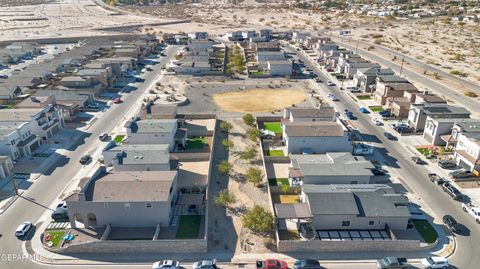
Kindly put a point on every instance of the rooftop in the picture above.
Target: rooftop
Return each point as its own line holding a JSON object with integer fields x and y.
{"x": 321, "y": 112}
{"x": 364, "y": 200}
{"x": 18, "y": 115}
{"x": 313, "y": 129}
{"x": 142, "y": 153}
{"x": 127, "y": 186}
{"x": 391, "y": 78}
{"x": 444, "y": 110}
{"x": 332, "y": 164}
{"x": 152, "y": 126}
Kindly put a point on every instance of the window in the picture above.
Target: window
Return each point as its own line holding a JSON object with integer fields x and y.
{"x": 345, "y": 223}
{"x": 127, "y": 205}
{"x": 149, "y": 205}
{"x": 371, "y": 223}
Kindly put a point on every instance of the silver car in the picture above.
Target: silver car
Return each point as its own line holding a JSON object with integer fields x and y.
{"x": 205, "y": 264}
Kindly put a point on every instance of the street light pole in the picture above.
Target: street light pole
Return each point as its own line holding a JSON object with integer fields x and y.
{"x": 401, "y": 67}
{"x": 14, "y": 185}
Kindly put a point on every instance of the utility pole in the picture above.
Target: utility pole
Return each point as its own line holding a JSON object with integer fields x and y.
{"x": 356, "y": 47}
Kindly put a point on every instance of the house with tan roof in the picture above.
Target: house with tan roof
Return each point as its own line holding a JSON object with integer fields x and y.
{"x": 124, "y": 199}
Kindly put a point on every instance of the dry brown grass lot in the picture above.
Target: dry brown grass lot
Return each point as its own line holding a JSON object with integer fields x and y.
{"x": 258, "y": 100}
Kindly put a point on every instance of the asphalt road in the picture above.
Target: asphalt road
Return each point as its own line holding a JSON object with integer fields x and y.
{"x": 34, "y": 201}
{"x": 431, "y": 84}
{"x": 415, "y": 176}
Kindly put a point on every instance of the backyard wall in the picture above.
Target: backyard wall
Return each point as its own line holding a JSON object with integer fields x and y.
{"x": 347, "y": 246}
{"x": 137, "y": 246}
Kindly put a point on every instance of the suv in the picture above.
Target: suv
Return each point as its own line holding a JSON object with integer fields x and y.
{"x": 451, "y": 223}
{"x": 434, "y": 262}
{"x": 460, "y": 174}
{"x": 452, "y": 191}
{"x": 103, "y": 136}
{"x": 446, "y": 164}
{"x": 23, "y": 229}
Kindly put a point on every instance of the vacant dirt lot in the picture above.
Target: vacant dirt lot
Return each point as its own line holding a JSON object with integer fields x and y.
{"x": 258, "y": 100}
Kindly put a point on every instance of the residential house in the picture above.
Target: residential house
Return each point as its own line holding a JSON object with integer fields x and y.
{"x": 299, "y": 37}
{"x": 266, "y": 46}
{"x": 71, "y": 102}
{"x": 365, "y": 78}
{"x": 153, "y": 131}
{"x": 324, "y": 47}
{"x": 391, "y": 86}
{"x": 85, "y": 83}
{"x": 124, "y": 199}
{"x": 138, "y": 157}
{"x": 234, "y": 36}
{"x": 9, "y": 93}
{"x": 119, "y": 65}
{"x": 248, "y": 34}
{"x": 467, "y": 151}
{"x": 310, "y": 42}
{"x": 198, "y": 35}
{"x": 279, "y": 68}
{"x": 418, "y": 114}
{"x": 157, "y": 111}
{"x": 6, "y": 166}
{"x": 315, "y": 137}
{"x": 356, "y": 207}
{"x": 18, "y": 140}
{"x": 329, "y": 168}
{"x": 438, "y": 131}
{"x": 266, "y": 33}
{"x": 351, "y": 67}
{"x": 347, "y": 57}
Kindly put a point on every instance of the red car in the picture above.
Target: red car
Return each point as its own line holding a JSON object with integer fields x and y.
{"x": 117, "y": 101}
{"x": 272, "y": 264}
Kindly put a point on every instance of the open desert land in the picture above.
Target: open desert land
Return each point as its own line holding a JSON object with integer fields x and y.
{"x": 451, "y": 46}
{"x": 43, "y": 19}
{"x": 217, "y": 17}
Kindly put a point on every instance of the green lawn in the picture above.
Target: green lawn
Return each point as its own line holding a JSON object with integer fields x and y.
{"x": 56, "y": 237}
{"x": 276, "y": 152}
{"x": 196, "y": 143}
{"x": 275, "y": 127}
{"x": 376, "y": 108}
{"x": 364, "y": 97}
{"x": 426, "y": 231}
{"x": 278, "y": 181}
{"x": 189, "y": 227}
{"x": 118, "y": 139}
{"x": 421, "y": 150}
{"x": 289, "y": 235}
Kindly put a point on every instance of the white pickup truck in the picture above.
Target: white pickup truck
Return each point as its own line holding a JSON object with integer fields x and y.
{"x": 472, "y": 210}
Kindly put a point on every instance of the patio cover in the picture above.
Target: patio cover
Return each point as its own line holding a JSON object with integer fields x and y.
{"x": 293, "y": 211}
{"x": 190, "y": 199}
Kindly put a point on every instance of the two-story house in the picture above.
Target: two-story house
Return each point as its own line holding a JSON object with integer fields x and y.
{"x": 365, "y": 78}
{"x": 466, "y": 134}
{"x": 156, "y": 131}
{"x": 417, "y": 116}
{"x": 391, "y": 87}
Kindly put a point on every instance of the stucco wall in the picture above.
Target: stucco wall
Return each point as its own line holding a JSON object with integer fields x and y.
{"x": 138, "y": 246}
{"x": 334, "y": 222}
{"x": 347, "y": 246}
{"x": 318, "y": 144}
{"x": 338, "y": 179}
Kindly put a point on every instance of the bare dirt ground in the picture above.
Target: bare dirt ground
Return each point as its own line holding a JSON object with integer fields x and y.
{"x": 451, "y": 46}
{"x": 246, "y": 193}
{"x": 258, "y": 100}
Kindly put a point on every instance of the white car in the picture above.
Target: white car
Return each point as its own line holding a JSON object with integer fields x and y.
{"x": 166, "y": 264}
{"x": 434, "y": 262}
{"x": 23, "y": 229}
{"x": 330, "y": 83}
{"x": 205, "y": 264}
{"x": 332, "y": 97}
{"x": 377, "y": 122}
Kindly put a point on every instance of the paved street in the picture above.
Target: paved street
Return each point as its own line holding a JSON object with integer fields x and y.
{"x": 414, "y": 176}
{"x": 32, "y": 204}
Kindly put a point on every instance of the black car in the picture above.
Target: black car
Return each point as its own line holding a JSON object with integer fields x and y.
{"x": 403, "y": 129}
{"x": 452, "y": 224}
{"x": 85, "y": 159}
{"x": 389, "y": 136}
{"x": 446, "y": 164}
{"x": 60, "y": 214}
{"x": 306, "y": 264}
{"x": 378, "y": 172}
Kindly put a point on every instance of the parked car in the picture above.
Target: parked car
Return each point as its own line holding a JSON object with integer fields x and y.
{"x": 318, "y": 80}
{"x": 62, "y": 204}
{"x": 447, "y": 164}
{"x": 103, "y": 137}
{"x": 460, "y": 174}
{"x": 377, "y": 122}
{"x": 354, "y": 89}
{"x": 117, "y": 100}
{"x": 205, "y": 264}
{"x": 403, "y": 129}
{"x": 332, "y": 97}
{"x": 85, "y": 159}
{"x": 166, "y": 264}
{"x": 271, "y": 264}
{"x": 436, "y": 179}
{"x": 472, "y": 211}
{"x": 60, "y": 214}
{"x": 306, "y": 264}
{"x": 434, "y": 262}
{"x": 350, "y": 116}
{"x": 386, "y": 114}
{"x": 3, "y": 76}
{"x": 452, "y": 191}
{"x": 149, "y": 68}
{"x": 330, "y": 83}
{"x": 23, "y": 229}
{"x": 452, "y": 224}
{"x": 364, "y": 110}
{"x": 389, "y": 136}
{"x": 393, "y": 263}
{"x": 378, "y": 171}
{"x": 418, "y": 160}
